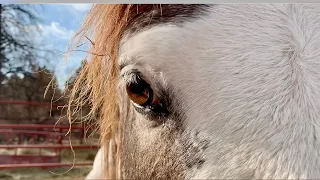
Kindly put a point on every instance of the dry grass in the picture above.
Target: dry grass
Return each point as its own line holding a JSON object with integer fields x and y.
{"x": 43, "y": 174}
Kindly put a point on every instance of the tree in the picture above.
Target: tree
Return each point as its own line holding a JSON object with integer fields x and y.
{"x": 19, "y": 50}
{"x": 30, "y": 88}
{"x": 21, "y": 78}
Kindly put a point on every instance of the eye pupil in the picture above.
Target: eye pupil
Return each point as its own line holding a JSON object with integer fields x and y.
{"x": 140, "y": 92}
{"x": 139, "y": 88}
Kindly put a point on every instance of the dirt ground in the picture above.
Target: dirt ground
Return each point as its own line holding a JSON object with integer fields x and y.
{"x": 77, "y": 172}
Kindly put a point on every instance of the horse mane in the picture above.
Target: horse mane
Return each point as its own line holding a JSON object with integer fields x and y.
{"x": 96, "y": 82}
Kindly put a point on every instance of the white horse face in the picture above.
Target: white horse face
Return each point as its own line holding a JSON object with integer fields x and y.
{"x": 235, "y": 94}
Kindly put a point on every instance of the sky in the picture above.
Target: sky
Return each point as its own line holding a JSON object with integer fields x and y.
{"x": 58, "y": 24}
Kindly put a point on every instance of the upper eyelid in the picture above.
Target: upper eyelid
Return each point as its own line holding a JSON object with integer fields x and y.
{"x": 131, "y": 71}
{"x": 130, "y": 76}
{"x": 123, "y": 65}
{"x": 136, "y": 68}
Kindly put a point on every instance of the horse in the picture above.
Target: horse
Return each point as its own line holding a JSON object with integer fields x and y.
{"x": 203, "y": 91}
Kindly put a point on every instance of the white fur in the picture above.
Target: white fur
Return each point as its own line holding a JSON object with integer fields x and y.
{"x": 97, "y": 168}
{"x": 248, "y": 77}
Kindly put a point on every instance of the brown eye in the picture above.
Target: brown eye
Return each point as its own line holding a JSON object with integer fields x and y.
{"x": 140, "y": 92}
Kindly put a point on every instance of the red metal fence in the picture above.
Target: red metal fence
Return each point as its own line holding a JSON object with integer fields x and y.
{"x": 32, "y": 103}
{"x": 38, "y": 137}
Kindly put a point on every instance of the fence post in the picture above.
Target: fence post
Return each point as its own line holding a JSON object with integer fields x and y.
{"x": 60, "y": 143}
{"x": 82, "y": 132}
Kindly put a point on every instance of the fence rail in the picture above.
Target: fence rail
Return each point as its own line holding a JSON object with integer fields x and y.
{"x": 32, "y": 103}
{"x": 41, "y": 165}
{"x": 40, "y": 126}
{"x": 41, "y": 137}
{"x": 35, "y": 146}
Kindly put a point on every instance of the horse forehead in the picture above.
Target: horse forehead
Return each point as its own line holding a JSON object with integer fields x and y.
{"x": 217, "y": 54}
{"x": 221, "y": 29}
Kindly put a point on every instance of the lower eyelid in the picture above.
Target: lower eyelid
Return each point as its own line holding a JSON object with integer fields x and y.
{"x": 137, "y": 105}
{"x": 152, "y": 114}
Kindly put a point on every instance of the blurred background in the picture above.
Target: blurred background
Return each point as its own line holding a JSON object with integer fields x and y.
{"x": 34, "y": 138}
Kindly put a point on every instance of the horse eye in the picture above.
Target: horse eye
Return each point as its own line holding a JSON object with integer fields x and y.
{"x": 141, "y": 93}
